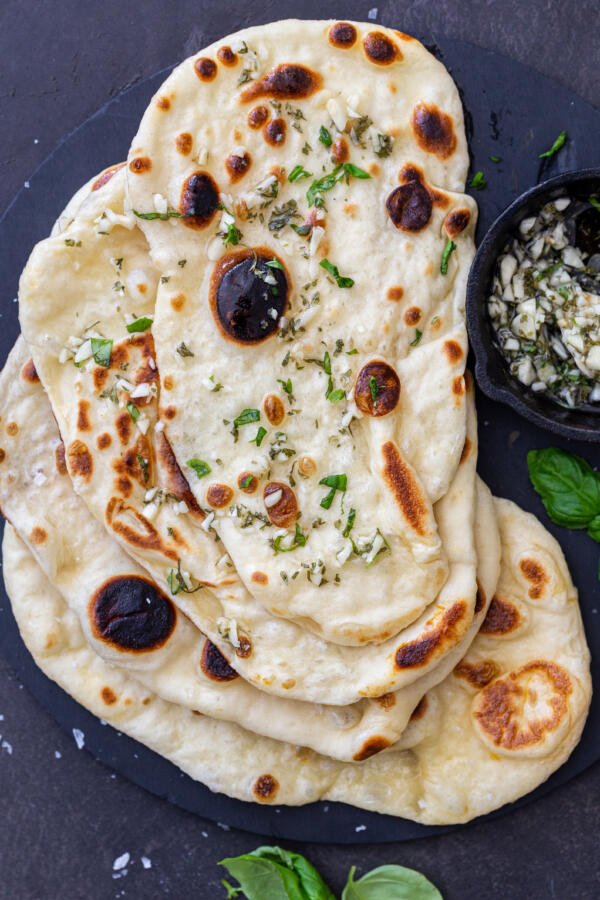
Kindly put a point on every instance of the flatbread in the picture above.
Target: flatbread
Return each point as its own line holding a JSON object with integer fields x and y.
{"x": 129, "y": 621}
{"x": 273, "y": 330}
{"x": 95, "y": 273}
{"x": 508, "y": 717}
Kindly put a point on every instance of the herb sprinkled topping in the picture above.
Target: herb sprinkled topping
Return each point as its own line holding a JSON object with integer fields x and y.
{"x": 298, "y": 172}
{"x": 183, "y": 350}
{"x": 560, "y": 142}
{"x": 342, "y": 281}
{"x": 200, "y": 467}
{"x": 448, "y": 250}
{"x": 478, "y": 181}
{"x": 141, "y": 324}
{"x": 336, "y": 483}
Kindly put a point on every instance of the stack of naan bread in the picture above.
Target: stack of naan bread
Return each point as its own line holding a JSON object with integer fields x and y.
{"x": 238, "y": 447}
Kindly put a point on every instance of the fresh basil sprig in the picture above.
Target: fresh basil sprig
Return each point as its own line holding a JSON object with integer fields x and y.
{"x": 270, "y": 873}
{"x": 390, "y": 883}
{"x": 569, "y": 488}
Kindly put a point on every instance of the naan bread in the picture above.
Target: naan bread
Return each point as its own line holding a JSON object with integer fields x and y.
{"x": 352, "y": 387}
{"x": 129, "y": 621}
{"x": 84, "y": 282}
{"x": 508, "y": 716}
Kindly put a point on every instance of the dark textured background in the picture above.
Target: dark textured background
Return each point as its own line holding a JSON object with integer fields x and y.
{"x": 64, "y": 820}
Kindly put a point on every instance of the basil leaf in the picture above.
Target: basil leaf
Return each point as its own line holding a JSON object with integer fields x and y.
{"x": 245, "y": 417}
{"x": 141, "y": 324}
{"x": 594, "y": 202}
{"x": 183, "y": 350}
{"x": 298, "y": 172}
{"x": 390, "y": 883}
{"x": 270, "y": 873}
{"x": 200, "y": 467}
{"x": 448, "y": 250}
{"x": 259, "y": 436}
{"x": 247, "y": 481}
{"x": 568, "y": 486}
{"x": 352, "y": 171}
{"x": 478, "y": 181}
{"x": 417, "y": 338}
{"x": 560, "y": 141}
{"x": 275, "y": 264}
{"x": 336, "y": 396}
{"x": 374, "y": 389}
{"x": 169, "y": 214}
{"x": 101, "y": 351}
{"x": 133, "y": 411}
{"x": 349, "y": 523}
{"x": 325, "y": 136}
{"x": 144, "y": 466}
{"x": 594, "y": 529}
{"x": 233, "y": 235}
{"x": 336, "y": 483}
{"x": 341, "y": 280}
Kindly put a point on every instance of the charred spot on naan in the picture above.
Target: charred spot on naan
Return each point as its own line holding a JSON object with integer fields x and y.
{"x": 84, "y": 423}
{"x": 237, "y": 165}
{"x": 288, "y": 81}
{"x": 399, "y": 477}
{"x": 199, "y": 200}
{"x": 453, "y": 352}
{"x": 245, "y": 646}
{"x": 140, "y": 165}
{"x": 412, "y": 316}
{"x": 246, "y": 309}
{"x": 257, "y": 117}
{"x": 79, "y": 460}
{"x": 135, "y": 529}
{"x": 377, "y": 389}
{"x": 503, "y": 618}
{"x": 106, "y": 175}
{"x": 443, "y": 632}
{"x": 184, "y": 143}
{"x": 284, "y": 512}
{"x": 433, "y": 130}
{"x": 226, "y": 56}
{"x": 386, "y": 701}
{"x": 124, "y": 427}
{"x": 108, "y": 695}
{"x": 163, "y": 103}
{"x": 381, "y": 49}
{"x": 219, "y": 495}
{"x": 342, "y": 35}
{"x": 371, "y": 746}
{"x": 339, "y": 151}
{"x": 29, "y": 374}
{"x": 410, "y": 206}
{"x": 60, "y": 459}
{"x": 259, "y": 578}
{"x": 38, "y": 535}
{"x": 131, "y": 613}
{"x": 419, "y": 710}
{"x": 477, "y": 674}
{"x": 456, "y": 221}
{"x": 274, "y": 132}
{"x": 2, "y": 455}
{"x": 265, "y": 788}
{"x": 274, "y": 409}
{"x": 396, "y": 292}
{"x": 522, "y": 711}
{"x": 137, "y": 462}
{"x": 205, "y": 68}
{"x": 214, "y": 665}
{"x": 247, "y": 482}
{"x": 534, "y": 572}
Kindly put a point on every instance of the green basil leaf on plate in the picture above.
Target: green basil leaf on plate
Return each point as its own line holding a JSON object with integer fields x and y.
{"x": 270, "y": 873}
{"x": 390, "y": 883}
{"x": 568, "y": 486}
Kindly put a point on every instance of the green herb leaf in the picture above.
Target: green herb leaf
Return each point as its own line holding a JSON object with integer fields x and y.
{"x": 184, "y": 350}
{"x": 259, "y": 436}
{"x": 341, "y": 280}
{"x": 286, "y": 385}
{"x": 200, "y": 467}
{"x": 325, "y": 136}
{"x": 478, "y": 181}
{"x": 141, "y": 324}
{"x": 71, "y": 242}
{"x": 247, "y": 481}
{"x": 101, "y": 351}
{"x": 594, "y": 529}
{"x": 282, "y": 215}
{"x": 568, "y": 486}
{"x": 595, "y": 202}
{"x": 448, "y": 250}
{"x": 177, "y": 583}
{"x": 245, "y": 417}
{"x": 270, "y": 873}
{"x": 349, "y": 523}
{"x": 390, "y": 883}
{"x": 298, "y": 172}
{"x": 336, "y": 483}
{"x": 143, "y": 464}
{"x": 496, "y": 159}
{"x": 300, "y": 540}
{"x": 181, "y": 263}
{"x": 274, "y": 264}
{"x": 133, "y": 411}
{"x": 336, "y": 396}
{"x": 233, "y": 235}
{"x": 417, "y": 338}
{"x": 169, "y": 214}
{"x": 560, "y": 141}
{"x": 352, "y": 171}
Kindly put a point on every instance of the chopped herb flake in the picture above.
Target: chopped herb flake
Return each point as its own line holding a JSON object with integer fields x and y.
{"x": 133, "y": 411}
{"x": 298, "y": 172}
{"x": 141, "y": 324}
{"x": 163, "y": 216}
{"x": 101, "y": 351}
{"x": 245, "y": 417}
{"x": 325, "y": 136}
{"x": 200, "y": 467}
{"x": 258, "y": 439}
{"x": 336, "y": 483}
{"x": 560, "y": 142}
{"x": 478, "y": 181}
{"x": 342, "y": 281}
{"x": 374, "y": 389}
{"x": 448, "y": 250}
{"x": 417, "y": 338}
{"x": 184, "y": 350}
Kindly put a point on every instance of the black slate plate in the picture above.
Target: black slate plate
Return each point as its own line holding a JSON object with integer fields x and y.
{"x": 512, "y": 112}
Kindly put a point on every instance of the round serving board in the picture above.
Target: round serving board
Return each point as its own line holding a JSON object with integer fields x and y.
{"x": 512, "y": 112}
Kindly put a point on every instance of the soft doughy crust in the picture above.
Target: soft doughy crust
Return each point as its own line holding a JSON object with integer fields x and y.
{"x": 448, "y": 776}
{"x": 69, "y": 280}
{"x": 397, "y": 465}
{"x": 128, "y": 621}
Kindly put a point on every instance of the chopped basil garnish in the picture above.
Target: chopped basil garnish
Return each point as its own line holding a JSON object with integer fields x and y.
{"x": 327, "y": 182}
{"x": 184, "y": 350}
{"x": 245, "y": 417}
{"x": 349, "y": 523}
{"x": 478, "y": 181}
{"x": 385, "y": 143}
{"x": 352, "y": 171}
{"x": 448, "y": 249}
{"x": 298, "y": 172}
{"x": 101, "y": 351}
{"x": 373, "y": 387}
{"x": 164, "y": 279}
{"x": 143, "y": 464}
{"x": 247, "y": 481}
{"x": 341, "y": 280}
{"x": 300, "y": 540}
{"x": 496, "y": 159}
{"x": 163, "y": 216}
{"x": 200, "y": 467}
{"x": 141, "y": 324}
{"x": 594, "y": 202}
{"x": 177, "y": 582}
{"x": 70, "y": 242}
{"x": 275, "y": 264}
{"x": 133, "y": 411}
{"x": 417, "y": 338}
{"x": 560, "y": 142}
{"x": 287, "y": 387}
{"x": 336, "y": 483}
{"x": 232, "y": 236}
{"x": 259, "y": 436}
{"x": 325, "y": 136}
{"x": 282, "y": 215}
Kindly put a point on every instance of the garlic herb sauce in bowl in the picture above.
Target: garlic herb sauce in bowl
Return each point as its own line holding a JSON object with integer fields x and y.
{"x": 544, "y": 304}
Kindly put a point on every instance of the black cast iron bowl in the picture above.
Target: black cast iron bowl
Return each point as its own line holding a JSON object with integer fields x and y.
{"x": 491, "y": 371}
